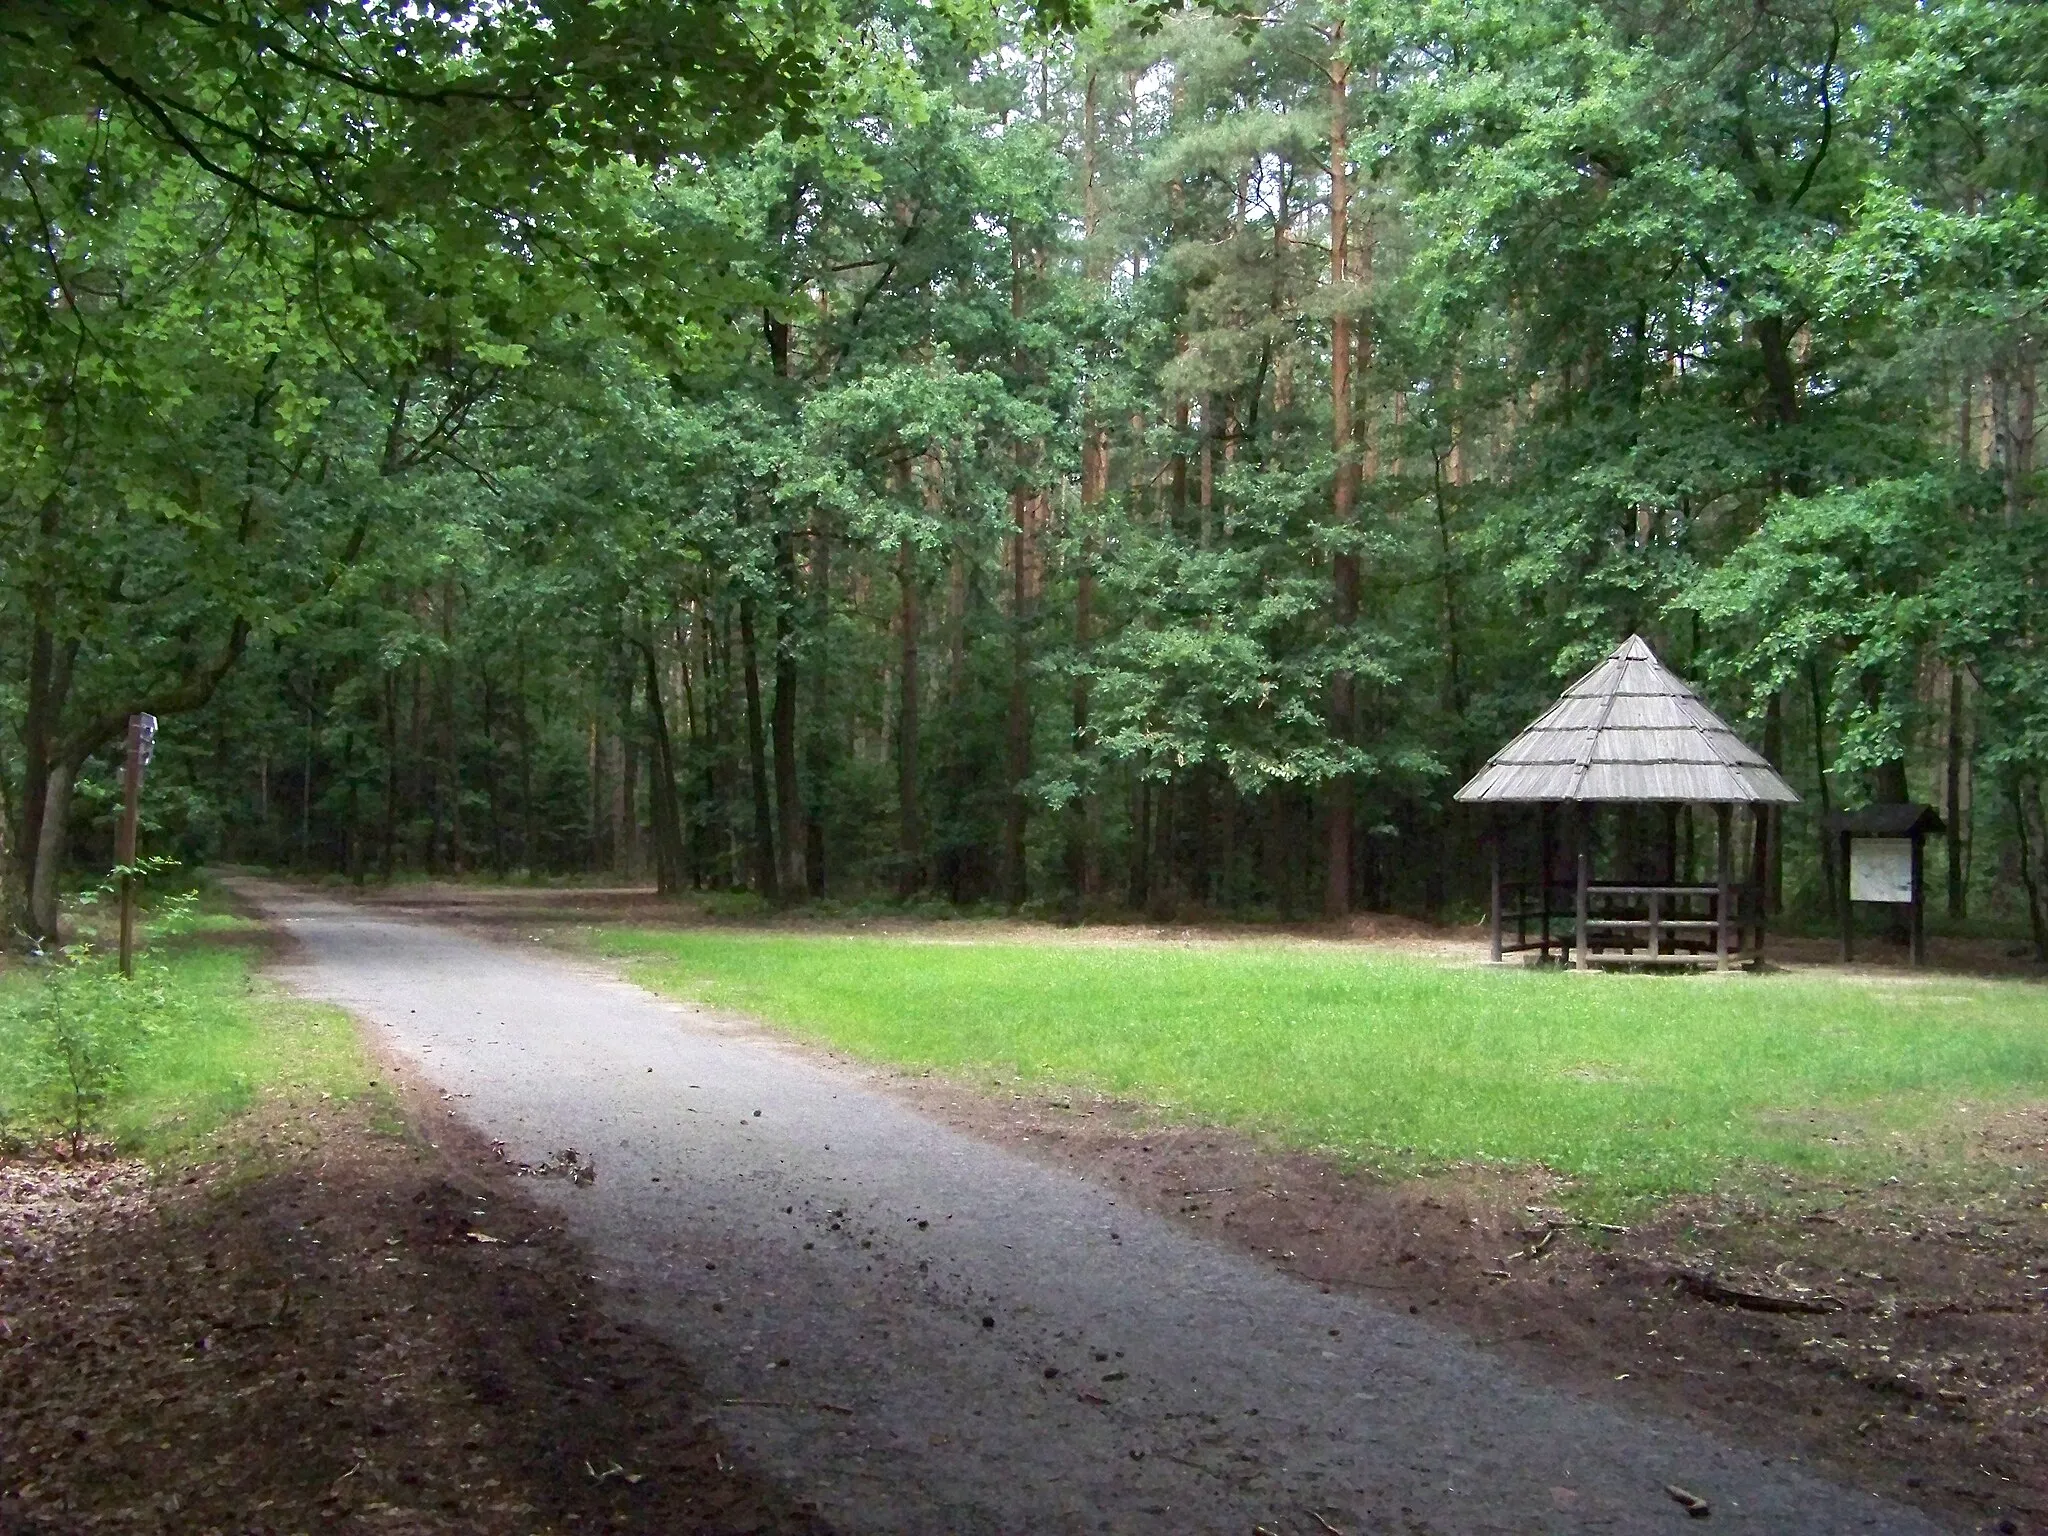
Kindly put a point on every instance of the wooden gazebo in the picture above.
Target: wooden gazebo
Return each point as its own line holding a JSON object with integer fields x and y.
{"x": 1632, "y": 739}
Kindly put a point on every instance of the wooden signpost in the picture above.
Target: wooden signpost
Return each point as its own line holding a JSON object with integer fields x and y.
{"x": 141, "y": 744}
{"x": 1883, "y": 862}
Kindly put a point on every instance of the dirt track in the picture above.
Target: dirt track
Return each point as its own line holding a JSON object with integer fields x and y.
{"x": 925, "y": 1332}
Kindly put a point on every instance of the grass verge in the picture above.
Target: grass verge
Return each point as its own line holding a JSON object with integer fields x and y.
{"x": 213, "y": 1037}
{"x": 322, "y": 1323}
{"x": 1634, "y": 1087}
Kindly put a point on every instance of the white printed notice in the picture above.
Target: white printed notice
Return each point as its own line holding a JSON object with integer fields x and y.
{"x": 1881, "y": 869}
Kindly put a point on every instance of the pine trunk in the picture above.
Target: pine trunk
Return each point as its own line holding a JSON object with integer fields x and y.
{"x": 661, "y": 787}
{"x": 1958, "y": 814}
{"x": 789, "y": 816}
{"x": 1338, "y": 791}
{"x": 910, "y": 827}
{"x": 757, "y": 758}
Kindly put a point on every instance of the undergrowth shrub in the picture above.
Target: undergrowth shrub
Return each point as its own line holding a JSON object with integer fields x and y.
{"x": 75, "y": 1038}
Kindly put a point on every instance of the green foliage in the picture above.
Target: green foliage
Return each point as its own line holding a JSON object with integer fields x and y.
{"x": 75, "y": 1037}
{"x": 461, "y": 109}
{"x": 1832, "y": 590}
{"x": 155, "y": 1065}
{"x": 893, "y": 450}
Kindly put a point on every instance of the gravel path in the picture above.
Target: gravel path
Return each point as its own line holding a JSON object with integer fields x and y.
{"x": 927, "y": 1333}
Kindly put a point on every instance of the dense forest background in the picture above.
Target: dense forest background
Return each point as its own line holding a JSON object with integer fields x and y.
{"x": 1136, "y": 460}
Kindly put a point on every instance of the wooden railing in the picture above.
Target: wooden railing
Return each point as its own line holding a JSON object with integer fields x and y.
{"x": 1639, "y": 924}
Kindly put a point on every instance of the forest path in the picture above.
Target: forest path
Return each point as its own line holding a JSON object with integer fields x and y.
{"x": 831, "y": 1262}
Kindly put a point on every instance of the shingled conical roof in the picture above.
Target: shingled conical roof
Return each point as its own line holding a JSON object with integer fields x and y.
{"x": 1630, "y": 729}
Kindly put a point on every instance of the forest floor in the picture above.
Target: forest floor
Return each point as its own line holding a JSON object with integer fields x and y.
{"x": 1893, "y": 1328}
{"x": 314, "y": 1318}
{"x": 523, "y": 911}
{"x": 1895, "y": 1334}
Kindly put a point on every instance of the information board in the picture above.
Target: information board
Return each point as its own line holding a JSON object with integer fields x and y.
{"x": 1881, "y": 869}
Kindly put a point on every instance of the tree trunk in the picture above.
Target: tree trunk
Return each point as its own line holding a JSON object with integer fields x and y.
{"x": 52, "y": 831}
{"x": 910, "y": 828}
{"x": 1205, "y": 530}
{"x": 1138, "y": 877}
{"x": 1454, "y": 671}
{"x": 661, "y": 786}
{"x": 49, "y": 688}
{"x": 818, "y": 748}
{"x": 1083, "y": 810}
{"x": 1229, "y": 888}
{"x": 789, "y": 815}
{"x": 1017, "y": 722}
{"x": 1888, "y": 783}
{"x": 757, "y": 759}
{"x": 1958, "y": 815}
{"x": 1163, "y": 893}
{"x": 1771, "y": 878}
{"x": 721, "y": 771}
{"x": 1177, "y": 473}
{"x": 1273, "y": 854}
{"x": 494, "y": 797}
{"x": 1017, "y": 726}
{"x": 49, "y": 685}
{"x": 352, "y": 846}
{"x": 1831, "y": 876}
{"x": 2032, "y": 827}
{"x": 35, "y": 786}
{"x": 597, "y": 775}
{"x": 626, "y": 790}
{"x": 1774, "y": 342}
{"x": 1338, "y": 792}
{"x": 387, "y": 851}
{"x": 2013, "y": 409}
{"x": 306, "y": 778}
{"x": 451, "y": 750}
{"x": 418, "y": 772}
{"x": 522, "y": 726}
{"x": 1966, "y": 448}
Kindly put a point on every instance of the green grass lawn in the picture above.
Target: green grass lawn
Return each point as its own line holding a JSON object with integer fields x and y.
{"x": 224, "y": 1035}
{"x": 1633, "y": 1086}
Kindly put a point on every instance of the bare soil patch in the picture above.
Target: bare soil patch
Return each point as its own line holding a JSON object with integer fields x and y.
{"x": 1911, "y": 1357}
{"x": 529, "y": 912}
{"x": 345, "y": 1329}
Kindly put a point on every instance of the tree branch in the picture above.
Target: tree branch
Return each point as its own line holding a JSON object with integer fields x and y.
{"x": 1827, "y": 115}
{"x": 155, "y": 110}
{"x": 192, "y": 694}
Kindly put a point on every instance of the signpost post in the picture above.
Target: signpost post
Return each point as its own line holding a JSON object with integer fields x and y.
{"x": 141, "y": 744}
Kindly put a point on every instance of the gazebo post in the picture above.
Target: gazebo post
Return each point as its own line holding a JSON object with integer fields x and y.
{"x": 1724, "y": 817}
{"x": 1769, "y": 817}
{"x": 1582, "y": 954}
{"x": 1543, "y": 877}
{"x": 1493, "y": 887}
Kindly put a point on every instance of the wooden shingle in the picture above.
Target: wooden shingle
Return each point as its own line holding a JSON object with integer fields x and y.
{"x": 1630, "y": 729}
